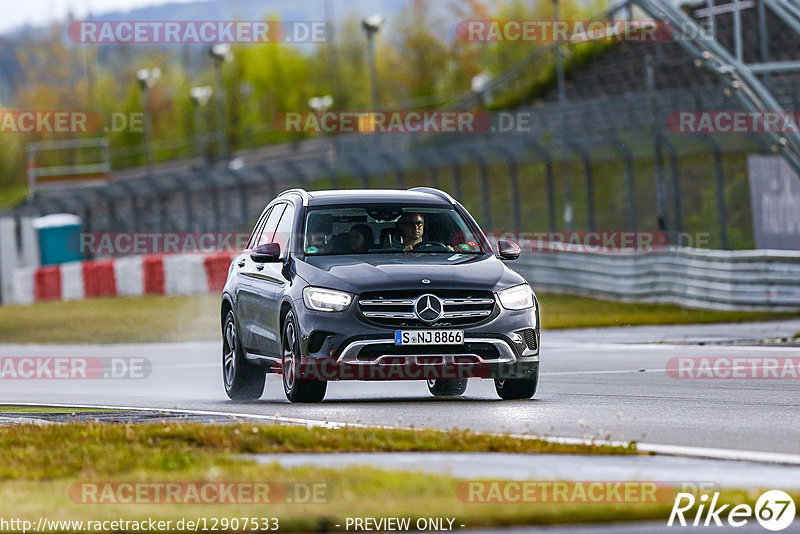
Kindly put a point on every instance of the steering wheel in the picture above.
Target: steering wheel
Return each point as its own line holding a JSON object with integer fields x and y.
{"x": 428, "y": 244}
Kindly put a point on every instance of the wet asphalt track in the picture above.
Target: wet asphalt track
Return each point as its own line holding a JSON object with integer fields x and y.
{"x": 594, "y": 383}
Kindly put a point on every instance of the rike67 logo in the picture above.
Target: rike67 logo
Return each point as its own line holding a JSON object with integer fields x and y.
{"x": 774, "y": 510}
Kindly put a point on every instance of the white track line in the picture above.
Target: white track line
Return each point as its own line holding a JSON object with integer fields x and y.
{"x": 678, "y": 370}
{"x": 657, "y": 448}
{"x": 668, "y": 345}
{"x": 604, "y": 372}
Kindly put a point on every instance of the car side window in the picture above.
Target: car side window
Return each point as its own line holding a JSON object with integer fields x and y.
{"x": 271, "y": 225}
{"x": 283, "y": 235}
{"x": 251, "y": 243}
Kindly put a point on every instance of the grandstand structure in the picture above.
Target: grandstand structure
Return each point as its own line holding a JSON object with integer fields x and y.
{"x": 599, "y": 157}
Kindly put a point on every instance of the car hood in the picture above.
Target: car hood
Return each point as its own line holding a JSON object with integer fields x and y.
{"x": 370, "y": 272}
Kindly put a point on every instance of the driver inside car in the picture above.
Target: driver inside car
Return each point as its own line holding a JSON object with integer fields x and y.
{"x": 411, "y": 227}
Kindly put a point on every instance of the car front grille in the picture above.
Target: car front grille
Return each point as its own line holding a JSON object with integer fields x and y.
{"x": 396, "y": 308}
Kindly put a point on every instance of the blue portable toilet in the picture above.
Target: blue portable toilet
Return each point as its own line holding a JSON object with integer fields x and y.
{"x": 59, "y": 235}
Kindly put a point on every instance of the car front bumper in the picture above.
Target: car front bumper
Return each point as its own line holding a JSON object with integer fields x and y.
{"x": 343, "y": 346}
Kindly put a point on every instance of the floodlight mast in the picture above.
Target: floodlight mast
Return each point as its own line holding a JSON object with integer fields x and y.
{"x": 221, "y": 54}
{"x": 371, "y": 25}
{"x": 147, "y": 79}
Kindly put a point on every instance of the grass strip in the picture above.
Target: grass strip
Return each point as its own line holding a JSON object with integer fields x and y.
{"x": 38, "y": 479}
{"x": 110, "y": 449}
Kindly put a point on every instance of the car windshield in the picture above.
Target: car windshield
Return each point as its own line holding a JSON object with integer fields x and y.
{"x": 380, "y": 229}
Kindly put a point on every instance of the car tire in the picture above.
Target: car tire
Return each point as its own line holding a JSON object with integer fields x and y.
{"x": 243, "y": 380}
{"x": 447, "y": 387}
{"x": 296, "y": 389}
{"x": 517, "y": 388}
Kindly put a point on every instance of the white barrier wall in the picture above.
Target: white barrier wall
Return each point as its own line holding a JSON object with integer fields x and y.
{"x": 738, "y": 280}
{"x": 17, "y": 249}
{"x": 185, "y": 274}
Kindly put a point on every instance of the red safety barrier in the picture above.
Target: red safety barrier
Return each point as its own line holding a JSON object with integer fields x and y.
{"x": 47, "y": 283}
{"x": 153, "y": 275}
{"x": 217, "y": 270}
{"x": 99, "y": 279}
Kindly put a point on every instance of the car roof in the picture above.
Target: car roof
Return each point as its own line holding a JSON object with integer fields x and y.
{"x": 357, "y": 196}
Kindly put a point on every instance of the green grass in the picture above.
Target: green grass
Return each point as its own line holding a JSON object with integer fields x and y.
{"x": 39, "y": 479}
{"x": 176, "y": 318}
{"x": 356, "y": 492}
{"x": 115, "y": 448}
{"x": 11, "y": 195}
{"x": 566, "y": 311}
{"x": 113, "y": 320}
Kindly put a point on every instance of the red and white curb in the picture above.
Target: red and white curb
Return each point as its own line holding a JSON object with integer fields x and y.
{"x": 173, "y": 274}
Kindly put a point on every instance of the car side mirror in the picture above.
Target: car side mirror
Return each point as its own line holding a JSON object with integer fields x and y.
{"x": 266, "y": 253}
{"x": 508, "y": 250}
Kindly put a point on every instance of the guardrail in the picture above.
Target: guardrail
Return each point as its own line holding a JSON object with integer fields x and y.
{"x": 737, "y": 280}
{"x": 726, "y": 280}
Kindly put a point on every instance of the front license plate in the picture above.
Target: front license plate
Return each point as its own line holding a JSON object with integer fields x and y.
{"x": 428, "y": 337}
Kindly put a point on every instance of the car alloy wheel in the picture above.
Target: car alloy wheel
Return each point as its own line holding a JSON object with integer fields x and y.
{"x": 289, "y": 357}
{"x": 296, "y": 388}
{"x": 243, "y": 380}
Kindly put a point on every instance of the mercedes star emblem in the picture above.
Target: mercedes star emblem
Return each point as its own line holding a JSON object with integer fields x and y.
{"x": 428, "y": 308}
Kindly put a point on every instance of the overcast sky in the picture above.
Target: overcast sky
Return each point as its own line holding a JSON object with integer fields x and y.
{"x": 38, "y": 12}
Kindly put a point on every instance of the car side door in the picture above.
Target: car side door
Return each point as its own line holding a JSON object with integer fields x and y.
{"x": 249, "y": 287}
{"x": 272, "y": 280}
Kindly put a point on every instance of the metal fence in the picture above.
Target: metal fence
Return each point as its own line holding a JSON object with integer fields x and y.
{"x": 598, "y": 161}
{"x": 739, "y": 280}
{"x": 605, "y": 161}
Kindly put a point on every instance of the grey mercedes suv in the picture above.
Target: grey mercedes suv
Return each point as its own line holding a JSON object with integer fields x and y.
{"x": 376, "y": 285}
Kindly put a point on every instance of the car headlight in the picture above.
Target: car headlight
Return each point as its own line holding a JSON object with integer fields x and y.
{"x": 517, "y": 297}
{"x": 328, "y": 300}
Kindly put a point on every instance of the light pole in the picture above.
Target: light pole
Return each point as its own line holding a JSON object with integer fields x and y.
{"x": 478, "y": 85}
{"x": 321, "y": 104}
{"x": 562, "y": 92}
{"x": 562, "y": 102}
{"x": 147, "y": 79}
{"x": 245, "y": 92}
{"x": 371, "y": 26}
{"x": 220, "y": 54}
{"x": 200, "y": 96}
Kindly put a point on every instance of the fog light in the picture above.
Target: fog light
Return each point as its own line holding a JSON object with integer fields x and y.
{"x": 516, "y": 338}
